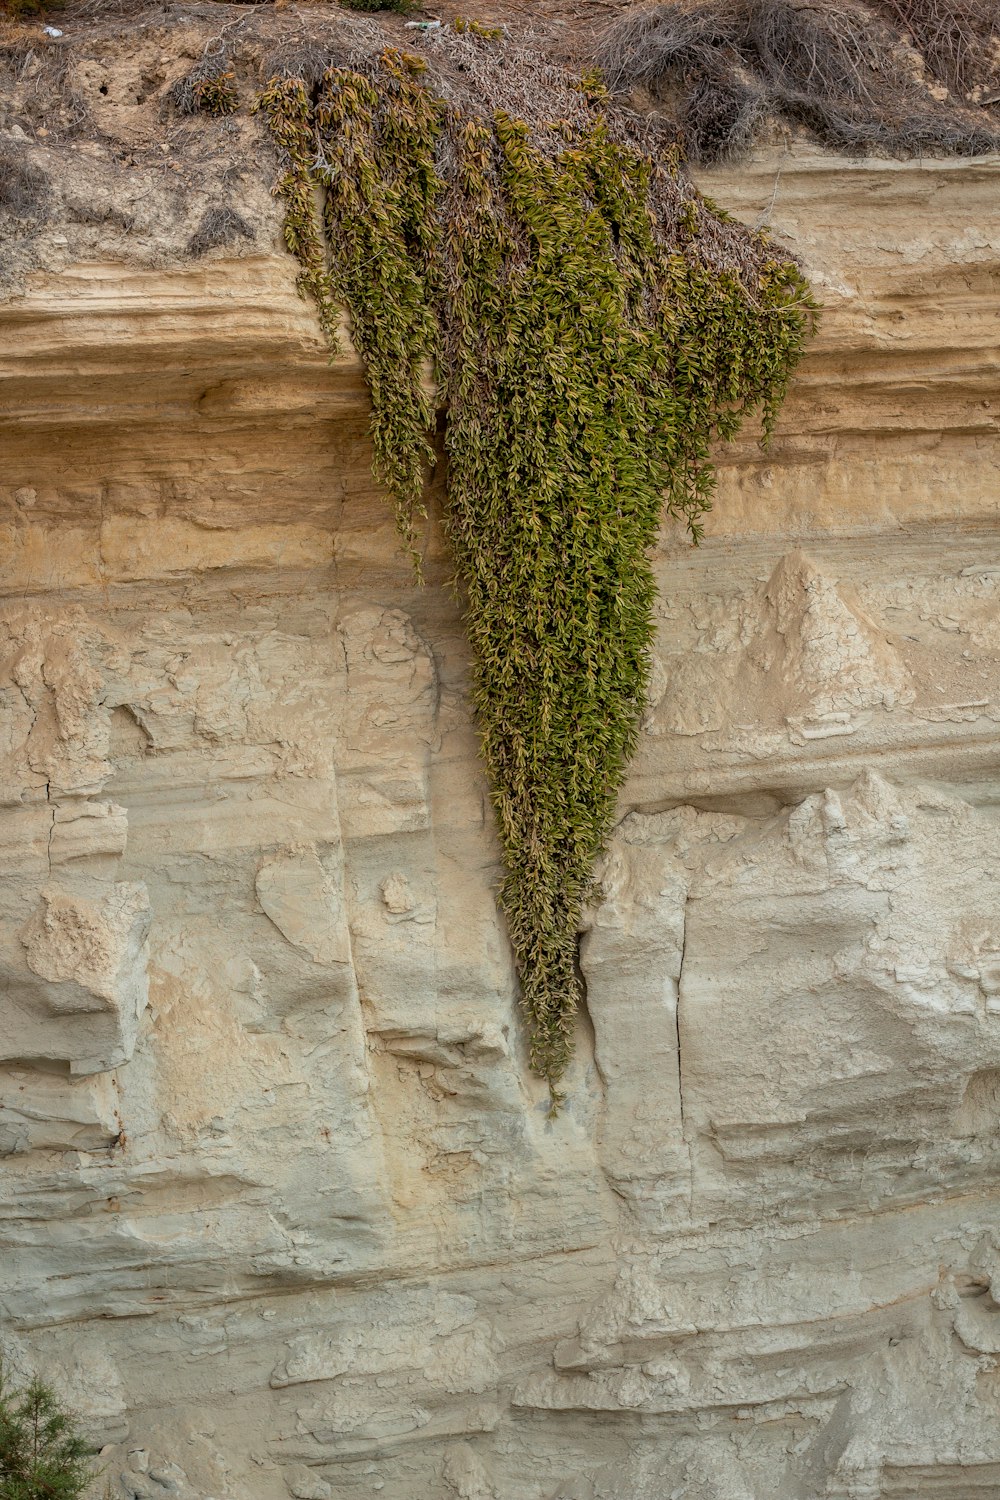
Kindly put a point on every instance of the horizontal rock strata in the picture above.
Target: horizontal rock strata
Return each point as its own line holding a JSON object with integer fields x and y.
{"x": 280, "y": 1208}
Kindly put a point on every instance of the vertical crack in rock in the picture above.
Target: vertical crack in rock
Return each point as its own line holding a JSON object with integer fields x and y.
{"x": 52, "y": 825}
{"x": 677, "y": 1014}
{"x": 583, "y": 1006}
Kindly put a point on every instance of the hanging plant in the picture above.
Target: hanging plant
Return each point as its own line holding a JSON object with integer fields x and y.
{"x": 593, "y": 325}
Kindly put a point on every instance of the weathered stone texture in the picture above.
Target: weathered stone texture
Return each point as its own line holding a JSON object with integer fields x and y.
{"x": 280, "y": 1208}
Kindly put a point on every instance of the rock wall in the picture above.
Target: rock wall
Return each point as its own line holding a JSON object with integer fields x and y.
{"x": 280, "y": 1208}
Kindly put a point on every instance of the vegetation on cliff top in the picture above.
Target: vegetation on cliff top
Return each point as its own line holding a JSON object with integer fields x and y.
{"x": 590, "y": 324}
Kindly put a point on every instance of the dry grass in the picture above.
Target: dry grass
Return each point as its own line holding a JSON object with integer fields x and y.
{"x": 221, "y": 225}
{"x": 959, "y": 41}
{"x": 845, "y": 70}
{"x": 301, "y": 57}
{"x": 25, "y": 9}
{"x": 401, "y": 7}
{"x": 97, "y": 216}
{"x": 24, "y": 189}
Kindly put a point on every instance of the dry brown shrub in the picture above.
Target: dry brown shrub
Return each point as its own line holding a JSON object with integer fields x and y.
{"x": 847, "y": 71}
{"x": 24, "y": 188}
{"x": 959, "y": 41}
{"x": 220, "y": 225}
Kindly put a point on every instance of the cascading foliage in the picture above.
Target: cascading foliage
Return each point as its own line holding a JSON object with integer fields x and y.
{"x": 592, "y": 324}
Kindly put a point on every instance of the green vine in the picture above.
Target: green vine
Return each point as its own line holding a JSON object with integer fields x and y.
{"x": 591, "y": 325}
{"x": 217, "y": 93}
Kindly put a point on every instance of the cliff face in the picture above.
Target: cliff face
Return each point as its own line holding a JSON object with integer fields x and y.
{"x": 281, "y": 1208}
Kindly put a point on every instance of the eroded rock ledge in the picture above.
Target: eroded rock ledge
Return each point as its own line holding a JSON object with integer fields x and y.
{"x": 279, "y": 1206}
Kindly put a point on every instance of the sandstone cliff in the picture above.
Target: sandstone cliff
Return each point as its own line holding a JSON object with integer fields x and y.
{"x": 280, "y": 1208}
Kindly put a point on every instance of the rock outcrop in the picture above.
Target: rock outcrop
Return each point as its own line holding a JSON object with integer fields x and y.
{"x": 280, "y": 1208}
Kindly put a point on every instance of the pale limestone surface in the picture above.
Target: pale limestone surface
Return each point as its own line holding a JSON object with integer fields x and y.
{"x": 280, "y": 1208}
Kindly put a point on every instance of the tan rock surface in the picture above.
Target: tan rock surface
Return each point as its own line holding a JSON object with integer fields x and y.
{"x": 279, "y": 1204}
